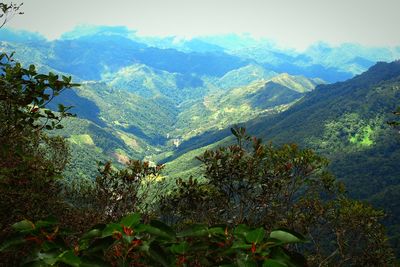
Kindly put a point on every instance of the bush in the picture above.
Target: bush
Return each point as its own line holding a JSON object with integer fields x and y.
{"x": 132, "y": 243}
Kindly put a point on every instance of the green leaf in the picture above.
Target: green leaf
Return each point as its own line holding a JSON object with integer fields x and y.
{"x": 48, "y": 246}
{"x": 287, "y": 236}
{"x": 155, "y": 231}
{"x": 217, "y": 230}
{"x": 110, "y": 229}
{"x": 12, "y": 242}
{"x": 69, "y": 258}
{"x": 180, "y": 248}
{"x": 45, "y": 223}
{"x": 66, "y": 79}
{"x": 240, "y": 245}
{"x": 274, "y": 263}
{"x": 41, "y": 77}
{"x": 241, "y": 231}
{"x": 256, "y": 235}
{"x": 246, "y": 263}
{"x": 92, "y": 233}
{"x": 163, "y": 227}
{"x": 158, "y": 255}
{"x": 24, "y": 225}
{"x": 93, "y": 263}
{"x": 131, "y": 220}
{"x": 280, "y": 254}
{"x": 99, "y": 245}
{"x": 194, "y": 230}
{"x": 49, "y": 258}
{"x": 234, "y": 132}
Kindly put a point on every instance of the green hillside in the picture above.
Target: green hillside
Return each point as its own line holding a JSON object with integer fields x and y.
{"x": 156, "y": 84}
{"x": 242, "y": 76}
{"x": 237, "y": 105}
{"x": 346, "y": 122}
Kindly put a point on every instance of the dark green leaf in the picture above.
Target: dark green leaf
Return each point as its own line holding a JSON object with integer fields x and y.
{"x": 274, "y": 263}
{"x": 287, "y": 236}
{"x": 194, "y": 230}
{"x": 10, "y": 242}
{"x": 110, "y": 229}
{"x": 180, "y": 248}
{"x": 256, "y": 235}
{"x": 69, "y": 258}
{"x": 131, "y": 220}
{"x": 24, "y": 225}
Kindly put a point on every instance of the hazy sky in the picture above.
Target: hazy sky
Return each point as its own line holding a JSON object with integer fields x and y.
{"x": 292, "y": 23}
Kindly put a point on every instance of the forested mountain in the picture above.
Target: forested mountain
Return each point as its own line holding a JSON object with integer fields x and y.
{"x": 148, "y": 95}
{"x": 345, "y": 121}
{"x": 140, "y": 99}
{"x": 151, "y": 94}
{"x": 168, "y": 100}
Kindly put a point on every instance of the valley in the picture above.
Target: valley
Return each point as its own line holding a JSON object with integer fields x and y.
{"x": 167, "y": 101}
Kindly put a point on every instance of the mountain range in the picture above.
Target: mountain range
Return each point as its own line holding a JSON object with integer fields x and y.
{"x": 168, "y": 99}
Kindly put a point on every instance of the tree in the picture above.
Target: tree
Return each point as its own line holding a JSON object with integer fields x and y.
{"x": 117, "y": 192}
{"x": 8, "y": 11}
{"x": 31, "y": 161}
{"x": 395, "y": 123}
{"x": 260, "y": 185}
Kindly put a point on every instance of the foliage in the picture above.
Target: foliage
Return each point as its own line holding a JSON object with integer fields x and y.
{"x": 24, "y": 96}
{"x": 360, "y": 238}
{"x": 395, "y": 123}
{"x": 132, "y": 243}
{"x": 258, "y": 184}
{"x": 27, "y": 152}
{"x": 252, "y": 182}
{"x": 116, "y": 192}
{"x": 346, "y": 122}
{"x": 7, "y": 11}
{"x": 30, "y": 160}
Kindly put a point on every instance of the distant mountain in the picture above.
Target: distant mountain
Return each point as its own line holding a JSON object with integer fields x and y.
{"x": 90, "y": 30}
{"x": 161, "y": 92}
{"x": 14, "y": 36}
{"x": 320, "y": 60}
{"x": 214, "y": 56}
{"x": 353, "y": 58}
{"x": 90, "y": 56}
{"x": 156, "y": 84}
{"x": 242, "y": 76}
{"x": 238, "y": 105}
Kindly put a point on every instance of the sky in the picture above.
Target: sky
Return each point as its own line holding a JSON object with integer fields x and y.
{"x": 291, "y": 23}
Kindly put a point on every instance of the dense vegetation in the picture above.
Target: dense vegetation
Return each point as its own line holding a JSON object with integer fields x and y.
{"x": 346, "y": 122}
{"x": 249, "y": 183}
{"x": 249, "y": 203}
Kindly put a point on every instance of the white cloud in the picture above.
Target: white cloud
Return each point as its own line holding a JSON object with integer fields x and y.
{"x": 292, "y": 23}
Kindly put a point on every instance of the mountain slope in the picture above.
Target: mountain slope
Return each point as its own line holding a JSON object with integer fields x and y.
{"x": 152, "y": 83}
{"x": 345, "y": 122}
{"x": 227, "y": 107}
